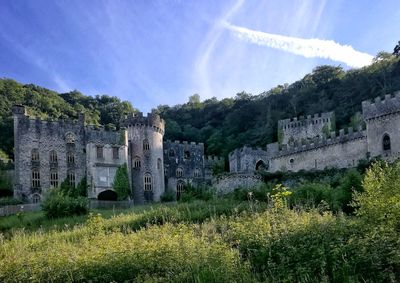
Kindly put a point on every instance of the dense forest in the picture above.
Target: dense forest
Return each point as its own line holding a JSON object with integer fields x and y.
{"x": 221, "y": 124}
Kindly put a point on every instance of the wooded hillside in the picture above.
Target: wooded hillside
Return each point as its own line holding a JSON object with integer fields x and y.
{"x": 221, "y": 124}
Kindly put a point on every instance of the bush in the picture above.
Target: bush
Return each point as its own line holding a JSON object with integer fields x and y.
{"x": 191, "y": 193}
{"x": 379, "y": 203}
{"x": 121, "y": 182}
{"x": 58, "y": 204}
{"x": 311, "y": 195}
{"x": 343, "y": 194}
{"x": 9, "y": 201}
{"x": 168, "y": 197}
{"x": 260, "y": 193}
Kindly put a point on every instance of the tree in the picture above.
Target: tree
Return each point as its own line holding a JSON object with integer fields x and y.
{"x": 121, "y": 182}
{"x": 396, "y": 50}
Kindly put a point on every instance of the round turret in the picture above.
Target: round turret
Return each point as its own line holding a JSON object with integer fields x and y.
{"x": 145, "y": 139}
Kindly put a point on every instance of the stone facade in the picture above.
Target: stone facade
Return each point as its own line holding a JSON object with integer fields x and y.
{"x": 186, "y": 164}
{"x": 307, "y": 146}
{"x": 48, "y": 152}
{"x": 305, "y": 128}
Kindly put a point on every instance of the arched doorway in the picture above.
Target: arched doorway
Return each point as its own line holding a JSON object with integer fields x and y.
{"x": 261, "y": 165}
{"x": 108, "y": 195}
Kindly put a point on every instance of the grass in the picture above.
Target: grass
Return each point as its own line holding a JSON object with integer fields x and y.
{"x": 220, "y": 240}
{"x": 136, "y": 217}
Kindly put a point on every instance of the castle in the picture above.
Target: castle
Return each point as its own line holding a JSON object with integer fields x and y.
{"x": 309, "y": 143}
{"x": 49, "y": 151}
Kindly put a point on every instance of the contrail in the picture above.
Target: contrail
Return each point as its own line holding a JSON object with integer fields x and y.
{"x": 327, "y": 49}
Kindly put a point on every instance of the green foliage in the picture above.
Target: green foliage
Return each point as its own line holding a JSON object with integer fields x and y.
{"x": 218, "y": 168}
{"x": 311, "y": 195}
{"x": 380, "y": 200}
{"x": 121, "y": 182}
{"x": 81, "y": 189}
{"x": 168, "y": 196}
{"x": 197, "y": 193}
{"x": 260, "y": 193}
{"x": 351, "y": 182}
{"x": 60, "y": 204}
{"x": 9, "y": 201}
{"x": 5, "y": 184}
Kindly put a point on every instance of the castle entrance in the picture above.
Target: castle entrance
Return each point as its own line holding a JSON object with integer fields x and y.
{"x": 107, "y": 195}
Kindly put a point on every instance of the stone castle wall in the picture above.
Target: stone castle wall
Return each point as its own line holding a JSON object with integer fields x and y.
{"x": 303, "y": 128}
{"x": 314, "y": 150}
{"x": 45, "y": 136}
{"x": 228, "y": 183}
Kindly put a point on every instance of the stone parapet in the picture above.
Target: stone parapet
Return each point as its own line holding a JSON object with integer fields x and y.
{"x": 389, "y": 104}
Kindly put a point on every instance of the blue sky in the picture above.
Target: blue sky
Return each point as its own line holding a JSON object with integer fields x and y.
{"x": 161, "y": 52}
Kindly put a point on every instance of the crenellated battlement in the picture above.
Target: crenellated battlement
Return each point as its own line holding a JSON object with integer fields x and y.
{"x": 318, "y": 142}
{"x": 387, "y": 105}
{"x": 302, "y": 121}
{"x": 190, "y": 145}
{"x": 152, "y": 120}
{"x": 213, "y": 158}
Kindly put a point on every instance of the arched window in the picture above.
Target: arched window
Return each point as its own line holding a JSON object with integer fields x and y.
{"x": 147, "y": 183}
{"x": 70, "y": 158}
{"x": 71, "y": 178}
{"x": 196, "y": 173}
{"x": 54, "y": 179}
{"x": 136, "y": 162}
{"x": 171, "y": 153}
{"x": 35, "y": 154}
{"x": 159, "y": 163}
{"x": 36, "y": 198}
{"x": 53, "y": 157}
{"x": 146, "y": 145}
{"x": 386, "y": 142}
{"x": 180, "y": 187}
{"x": 179, "y": 172}
{"x": 35, "y": 178}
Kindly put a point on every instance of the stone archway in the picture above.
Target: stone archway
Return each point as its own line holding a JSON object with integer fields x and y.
{"x": 108, "y": 195}
{"x": 261, "y": 165}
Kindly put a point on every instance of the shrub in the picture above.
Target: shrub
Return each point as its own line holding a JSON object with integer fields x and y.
{"x": 9, "y": 201}
{"x": 379, "y": 203}
{"x": 260, "y": 193}
{"x": 121, "y": 182}
{"x": 351, "y": 182}
{"x": 168, "y": 197}
{"x": 311, "y": 195}
{"x": 191, "y": 193}
{"x": 58, "y": 204}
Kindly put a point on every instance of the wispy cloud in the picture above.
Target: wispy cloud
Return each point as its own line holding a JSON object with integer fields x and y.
{"x": 309, "y": 48}
{"x": 207, "y": 48}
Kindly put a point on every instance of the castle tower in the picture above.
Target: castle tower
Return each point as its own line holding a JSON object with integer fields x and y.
{"x": 382, "y": 118}
{"x": 19, "y": 113}
{"x": 145, "y": 156}
{"x": 303, "y": 128}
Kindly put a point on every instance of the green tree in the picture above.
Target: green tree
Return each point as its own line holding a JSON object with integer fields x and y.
{"x": 379, "y": 203}
{"x": 121, "y": 182}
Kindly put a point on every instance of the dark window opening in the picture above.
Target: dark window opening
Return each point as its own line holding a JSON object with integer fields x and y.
{"x": 115, "y": 153}
{"x": 187, "y": 154}
{"x": 386, "y": 142}
{"x": 99, "y": 152}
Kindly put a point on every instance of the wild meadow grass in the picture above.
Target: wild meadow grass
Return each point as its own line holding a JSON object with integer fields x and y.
{"x": 221, "y": 240}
